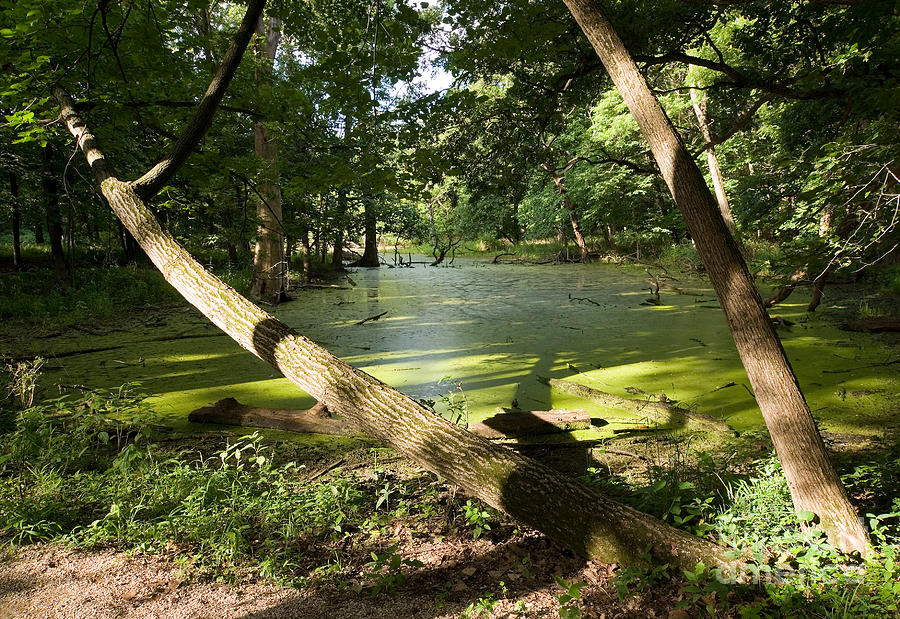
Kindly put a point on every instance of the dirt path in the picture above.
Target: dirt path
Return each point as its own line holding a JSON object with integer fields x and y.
{"x": 51, "y": 582}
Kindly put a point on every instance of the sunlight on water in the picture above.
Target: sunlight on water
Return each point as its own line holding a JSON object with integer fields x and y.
{"x": 493, "y": 329}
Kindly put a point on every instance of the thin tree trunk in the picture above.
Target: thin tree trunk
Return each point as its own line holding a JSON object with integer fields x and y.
{"x": 16, "y": 221}
{"x": 54, "y": 219}
{"x": 370, "y": 254}
{"x": 569, "y": 205}
{"x": 818, "y": 289}
{"x": 268, "y": 257}
{"x": 699, "y": 104}
{"x": 337, "y": 252}
{"x": 785, "y": 291}
{"x": 581, "y": 518}
{"x": 576, "y": 229}
{"x": 812, "y": 480}
{"x": 38, "y": 233}
{"x": 307, "y": 261}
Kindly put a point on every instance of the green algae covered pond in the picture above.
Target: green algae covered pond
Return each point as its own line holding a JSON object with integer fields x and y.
{"x": 493, "y": 330}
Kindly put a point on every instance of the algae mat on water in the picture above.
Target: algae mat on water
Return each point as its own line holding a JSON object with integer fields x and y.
{"x": 492, "y": 330}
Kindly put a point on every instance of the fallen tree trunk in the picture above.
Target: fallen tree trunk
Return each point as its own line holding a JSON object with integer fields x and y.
{"x": 509, "y": 424}
{"x": 797, "y": 278}
{"x": 660, "y": 411}
{"x": 574, "y": 514}
{"x": 317, "y": 420}
{"x": 872, "y": 325}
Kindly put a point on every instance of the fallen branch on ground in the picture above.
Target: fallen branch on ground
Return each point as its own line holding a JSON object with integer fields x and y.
{"x": 318, "y": 420}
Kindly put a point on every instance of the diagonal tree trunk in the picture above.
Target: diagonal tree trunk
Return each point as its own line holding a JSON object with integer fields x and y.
{"x": 584, "y": 520}
{"x": 581, "y": 518}
{"x": 712, "y": 160}
{"x": 813, "y": 482}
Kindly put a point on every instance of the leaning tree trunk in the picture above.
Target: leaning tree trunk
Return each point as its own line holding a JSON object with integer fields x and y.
{"x": 813, "y": 483}
{"x": 268, "y": 257}
{"x": 712, "y": 160}
{"x": 16, "y": 220}
{"x": 581, "y": 518}
{"x": 570, "y": 207}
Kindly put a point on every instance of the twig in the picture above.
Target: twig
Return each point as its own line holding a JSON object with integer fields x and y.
{"x": 371, "y": 318}
{"x": 571, "y": 298}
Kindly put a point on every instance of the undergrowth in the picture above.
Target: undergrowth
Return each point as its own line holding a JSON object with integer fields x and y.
{"x": 791, "y": 569}
{"x": 88, "y": 471}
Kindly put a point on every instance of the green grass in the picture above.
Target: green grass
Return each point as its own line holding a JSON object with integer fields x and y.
{"x": 70, "y": 474}
{"x": 98, "y": 294}
{"x": 87, "y": 472}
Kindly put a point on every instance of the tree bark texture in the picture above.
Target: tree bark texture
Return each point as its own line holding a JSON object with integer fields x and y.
{"x": 581, "y": 518}
{"x": 712, "y": 160}
{"x": 812, "y": 480}
{"x": 16, "y": 220}
{"x": 269, "y": 267}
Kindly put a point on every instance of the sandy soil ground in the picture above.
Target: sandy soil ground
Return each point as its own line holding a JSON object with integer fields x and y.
{"x": 50, "y": 582}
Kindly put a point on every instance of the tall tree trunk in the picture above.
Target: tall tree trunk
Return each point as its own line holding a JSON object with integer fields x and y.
{"x": 337, "y": 252}
{"x": 38, "y": 233}
{"x": 811, "y": 477}
{"x": 268, "y": 258}
{"x": 54, "y": 219}
{"x": 570, "y": 206}
{"x": 307, "y": 259}
{"x": 699, "y": 104}
{"x": 581, "y": 518}
{"x": 16, "y": 220}
{"x": 370, "y": 254}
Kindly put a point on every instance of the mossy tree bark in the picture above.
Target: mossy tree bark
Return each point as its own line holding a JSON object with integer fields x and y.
{"x": 813, "y": 482}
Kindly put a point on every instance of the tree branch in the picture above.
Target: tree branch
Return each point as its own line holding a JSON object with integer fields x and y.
{"x": 86, "y": 106}
{"x": 150, "y": 183}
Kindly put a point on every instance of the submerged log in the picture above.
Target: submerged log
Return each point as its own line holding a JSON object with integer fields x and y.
{"x": 317, "y": 420}
{"x": 507, "y": 424}
{"x": 872, "y": 325}
{"x": 659, "y": 410}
